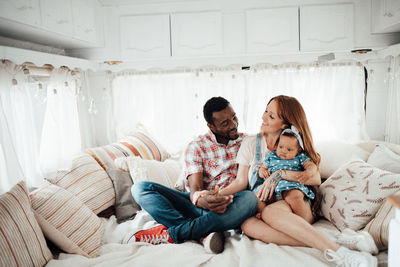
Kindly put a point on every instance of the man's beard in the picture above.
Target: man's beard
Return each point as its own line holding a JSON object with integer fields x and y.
{"x": 227, "y": 137}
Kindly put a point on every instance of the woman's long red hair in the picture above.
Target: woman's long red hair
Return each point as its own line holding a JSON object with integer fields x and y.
{"x": 292, "y": 113}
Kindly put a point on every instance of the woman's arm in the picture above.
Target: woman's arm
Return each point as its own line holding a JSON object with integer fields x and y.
{"x": 310, "y": 175}
{"x": 240, "y": 183}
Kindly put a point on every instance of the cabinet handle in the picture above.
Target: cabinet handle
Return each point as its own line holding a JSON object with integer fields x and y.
{"x": 388, "y": 14}
{"x": 62, "y": 21}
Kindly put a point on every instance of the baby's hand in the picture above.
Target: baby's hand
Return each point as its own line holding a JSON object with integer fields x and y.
{"x": 263, "y": 172}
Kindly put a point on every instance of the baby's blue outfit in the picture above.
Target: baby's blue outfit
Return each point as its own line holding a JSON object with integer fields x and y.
{"x": 275, "y": 163}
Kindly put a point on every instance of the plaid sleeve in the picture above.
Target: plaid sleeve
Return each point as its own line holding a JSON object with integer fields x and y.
{"x": 193, "y": 159}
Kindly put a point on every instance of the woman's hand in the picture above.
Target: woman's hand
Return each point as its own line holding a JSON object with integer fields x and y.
{"x": 213, "y": 201}
{"x": 267, "y": 189}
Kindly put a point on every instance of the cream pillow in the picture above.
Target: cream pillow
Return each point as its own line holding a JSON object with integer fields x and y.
{"x": 21, "y": 240}
{"x": 335, "y": 154}
{"x": 67, "y": 221}
{"x": 165, "y": 172}
{"x": 383, "y": 158}
{"x": 88, "y": 181}
{"x": 354, "y": 193}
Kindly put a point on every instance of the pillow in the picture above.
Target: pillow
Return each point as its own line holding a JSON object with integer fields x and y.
{"x": 354, "y": 193}
{"x": 378, "y": 227}
{"x": 67, "y": 221}
{"x": 165, "y": 173}
{"x": 383, "y": 158}
{"x": 21, "y": 241}
{"x": 125, "y": 206}
{"x": 87, "y": 181}
{"x": 335, "y": 154}
{"x": 138, "y": 143}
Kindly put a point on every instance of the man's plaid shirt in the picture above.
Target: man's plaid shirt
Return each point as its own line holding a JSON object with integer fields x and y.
{"x": 216, "y": 161}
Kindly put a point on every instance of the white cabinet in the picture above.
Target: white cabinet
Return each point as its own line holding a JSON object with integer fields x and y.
{"x": 57, "y": 16}
{"x": 327, "y": 27}
{"x": 196, "y": 34}
{"x": 385, "y": 16}
{"x": 84, "y": 20}
{"x": 146, "y": 36}
{"x": 24, "y": 11}
{"x": 272, "y": 30}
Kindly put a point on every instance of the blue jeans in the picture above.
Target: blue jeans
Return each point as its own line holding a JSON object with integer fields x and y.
{"x": 185, "y": 221}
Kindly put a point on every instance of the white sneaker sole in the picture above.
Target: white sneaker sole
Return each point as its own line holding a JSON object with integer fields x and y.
{"x": 214, "y": 243}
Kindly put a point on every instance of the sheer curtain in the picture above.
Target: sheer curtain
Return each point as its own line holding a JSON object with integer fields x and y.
{"x": 20, "y": 127}
{"x": 61, "y": 137}
{"x": 392, "y": 128}
{"x": 169, "y": 104}
{"x": 332, "y": 96}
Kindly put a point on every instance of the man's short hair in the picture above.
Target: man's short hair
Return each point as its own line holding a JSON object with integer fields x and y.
{"x": 214, "y": 104}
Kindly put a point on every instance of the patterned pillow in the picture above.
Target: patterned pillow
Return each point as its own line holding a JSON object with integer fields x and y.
{"x": 21, "y": 240}
{"x": 87, "y": 181}
{"x": 354, "y": 193}
{"x": 137, "y": 143}
{"x": 67, "y": 221}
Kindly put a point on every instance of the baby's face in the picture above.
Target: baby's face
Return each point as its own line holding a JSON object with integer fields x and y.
{"x": 288, "y": 147}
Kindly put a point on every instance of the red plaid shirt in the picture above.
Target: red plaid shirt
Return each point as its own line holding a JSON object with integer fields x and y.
{"x": 216, "y": 161}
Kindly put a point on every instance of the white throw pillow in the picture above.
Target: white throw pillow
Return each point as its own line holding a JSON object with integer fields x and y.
{"x": 383, "y": 158}
{"x": 335, "y": 154}
{"x": 353, "y": 194}
{"x": 165, "y": 172}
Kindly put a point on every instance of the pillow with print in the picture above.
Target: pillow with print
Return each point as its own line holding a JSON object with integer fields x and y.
{"x": 353, "y": 194}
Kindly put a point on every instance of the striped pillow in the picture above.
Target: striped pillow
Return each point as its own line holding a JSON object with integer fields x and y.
{"x": 89, "y": 182}
{"x": 67, "y": 221}
{"x": 378, "y": 227}
{"x": 21, "y": 240}
{"x": 137, "y": 143}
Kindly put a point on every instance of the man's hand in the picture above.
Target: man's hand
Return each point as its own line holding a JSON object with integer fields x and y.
{"x": 263, "y": 172}
{"x": 214, "y": 202}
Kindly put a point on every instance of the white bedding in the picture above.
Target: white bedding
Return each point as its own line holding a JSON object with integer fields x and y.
{"x": 239, "y": 250}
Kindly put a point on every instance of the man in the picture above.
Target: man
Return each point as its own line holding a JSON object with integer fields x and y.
{"x": 200, "y": 214}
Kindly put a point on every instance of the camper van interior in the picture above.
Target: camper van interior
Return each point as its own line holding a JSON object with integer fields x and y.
{"x": 100, "y": 95}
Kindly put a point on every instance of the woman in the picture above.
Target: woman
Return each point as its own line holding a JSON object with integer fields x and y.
{"x": 278, "y": 224}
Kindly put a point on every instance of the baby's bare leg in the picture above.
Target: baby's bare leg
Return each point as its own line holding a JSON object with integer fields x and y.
{"x": 299, "y": 205}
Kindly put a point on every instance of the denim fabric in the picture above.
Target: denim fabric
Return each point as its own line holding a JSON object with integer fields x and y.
{"x": 185, "y": 221}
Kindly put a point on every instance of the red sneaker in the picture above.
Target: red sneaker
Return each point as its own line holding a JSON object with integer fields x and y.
{"x": 156, "y": 235}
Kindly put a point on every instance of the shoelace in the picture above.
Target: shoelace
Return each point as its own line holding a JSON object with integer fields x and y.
{"x": 332, "y": 256}
{"x": 154, "y": 239}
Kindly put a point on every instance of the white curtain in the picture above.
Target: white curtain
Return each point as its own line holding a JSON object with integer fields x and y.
{"x": 169, "y": 104}
{"x": 392, "y": 125}
{"x": 61, "y": 137}
{"x": 332, "y": 96}
{"x": 20, "y": 127}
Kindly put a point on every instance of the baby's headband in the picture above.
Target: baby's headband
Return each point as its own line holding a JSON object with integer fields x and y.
{"x": 293, "y": 130}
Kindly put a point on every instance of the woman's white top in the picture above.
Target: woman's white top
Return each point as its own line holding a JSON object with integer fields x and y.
{"x": 247, "y": 151}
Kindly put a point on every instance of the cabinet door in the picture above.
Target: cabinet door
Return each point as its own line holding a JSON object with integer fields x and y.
{"x": 385, "y": 16}
{"x": 56, "y": 16}
{"x": 145, "y": 36}
{"x": 24, "y": 11}
{"x": 272, "y": 30}
{"x": 84, "y": 20}
{"x": 196, "y": 34}
{"x": 328, "y": 27}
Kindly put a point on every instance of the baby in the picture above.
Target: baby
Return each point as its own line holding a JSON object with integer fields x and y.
{"x": 289, "y": 156}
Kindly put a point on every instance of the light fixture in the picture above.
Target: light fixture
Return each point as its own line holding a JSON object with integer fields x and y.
{"x": 113, "y": 62}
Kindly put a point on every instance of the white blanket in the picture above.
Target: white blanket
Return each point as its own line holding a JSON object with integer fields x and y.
{"x": 239, "y": 250}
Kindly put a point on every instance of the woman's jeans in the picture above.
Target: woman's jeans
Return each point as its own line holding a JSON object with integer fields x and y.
{"x": 185, "y": 221}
